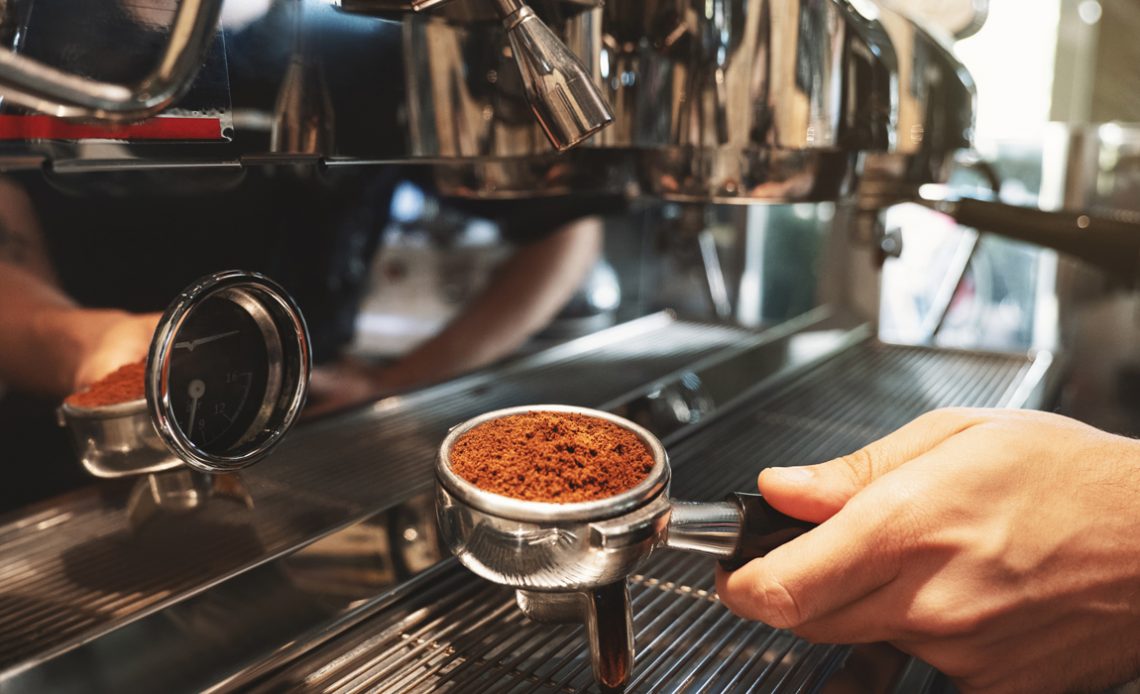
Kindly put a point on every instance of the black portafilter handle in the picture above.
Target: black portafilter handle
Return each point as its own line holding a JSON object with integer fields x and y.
{"x": 762, "y": 529}
{"x": 735, "y": 531}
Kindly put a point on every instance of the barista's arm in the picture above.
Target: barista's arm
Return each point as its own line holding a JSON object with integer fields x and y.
{"x": 21, "y": 243}
{"x": 49, "y": 345}
{"x": 1001, "y": 547}
{"x": 523, "y": 297}
{"x": 526, "y": 292}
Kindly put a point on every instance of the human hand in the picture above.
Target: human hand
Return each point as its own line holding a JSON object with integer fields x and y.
{"x": 1002, "y": 547}
{"x": 346, "y": 383}
{"x": 106, "y": 340}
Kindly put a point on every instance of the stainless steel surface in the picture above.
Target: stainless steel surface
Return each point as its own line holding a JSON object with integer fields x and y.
{"x": 738, "y": 101}
{"x": 562, "y": 94}
{"x": 179, "y": 491}
{"x": 117, "y": 440}
{"x": 458, "y": 11}
{"x": 607, "y": 615}
{"x": 168, "y": 496}
{"x": 1110, "y": 243}
{"x": 714, "y": 274}
{"x": 421, "y": 5}
{"x": 934, "y": 120}
{"x": 469, "y": 117}
{"x": 936, "y": 94}
{"x": 739, "y": 74}
{"x": 547, "y": 606}
{"x": 955, "y": 273}
{"x": 710, "y": 528}
{"x": 731, "y": 101}
{"x": 40, "y": 87}
{"x": 550, "y": 555}
{"x": 304, "y": 122}
{"x": 288, "y": 362}
{"x": 1094, "y": 167}
{"x": 73, "y": 571}
{"x": 443, "y": 631}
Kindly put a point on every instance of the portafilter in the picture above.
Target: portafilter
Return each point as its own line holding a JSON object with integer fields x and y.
{"x": 569, "y": 562}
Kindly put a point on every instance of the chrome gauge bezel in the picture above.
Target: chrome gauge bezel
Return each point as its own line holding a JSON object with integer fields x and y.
{"x": 289, "y": 362}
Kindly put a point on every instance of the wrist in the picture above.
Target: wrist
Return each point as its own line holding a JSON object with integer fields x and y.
{"x": 70, "y": 335}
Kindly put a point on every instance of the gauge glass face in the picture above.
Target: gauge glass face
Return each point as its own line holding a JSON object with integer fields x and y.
{"x": 219, "y": 375}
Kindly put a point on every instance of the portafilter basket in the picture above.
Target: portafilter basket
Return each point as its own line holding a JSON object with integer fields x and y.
{"x": 569, "y": 562}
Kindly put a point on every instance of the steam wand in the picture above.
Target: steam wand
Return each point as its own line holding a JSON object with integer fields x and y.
{"x": 563, "y": 96}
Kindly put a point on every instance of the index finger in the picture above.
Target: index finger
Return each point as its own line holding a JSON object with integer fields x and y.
{"x": 817, "y": 492}
{"x": 834, "y": 564}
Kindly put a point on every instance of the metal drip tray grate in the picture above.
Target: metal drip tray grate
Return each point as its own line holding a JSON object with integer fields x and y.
{"x": 462, "y": 635}
{"x": 448, "y": 631}
{"x": 75, "y": 569}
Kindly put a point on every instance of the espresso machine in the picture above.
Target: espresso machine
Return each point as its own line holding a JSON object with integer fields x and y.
{"x": 709, "y": 118}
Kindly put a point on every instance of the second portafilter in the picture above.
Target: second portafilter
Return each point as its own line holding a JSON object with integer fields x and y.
{"x": 569, "y": 562}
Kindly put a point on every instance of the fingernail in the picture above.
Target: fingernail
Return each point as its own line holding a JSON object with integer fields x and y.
{"x": 794, "y": 475}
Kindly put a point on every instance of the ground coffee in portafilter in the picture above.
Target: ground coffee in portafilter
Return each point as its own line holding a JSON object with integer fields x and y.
{"x": 122, "y": 385}
{"x": 551, "y": 456}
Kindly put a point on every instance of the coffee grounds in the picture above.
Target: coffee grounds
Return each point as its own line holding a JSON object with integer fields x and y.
{"x": 551, "y": 456}
{"x": 121, "y": 385}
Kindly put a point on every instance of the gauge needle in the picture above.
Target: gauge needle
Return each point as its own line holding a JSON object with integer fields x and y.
{"x": 194, "y": 344}
{"x": 196, "y": 390}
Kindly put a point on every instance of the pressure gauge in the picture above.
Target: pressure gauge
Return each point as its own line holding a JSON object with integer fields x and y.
{"x": 228, "y": 371}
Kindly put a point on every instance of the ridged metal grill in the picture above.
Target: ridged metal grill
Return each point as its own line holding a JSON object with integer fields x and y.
{"x": 75, "y": 569}
{"x": 449, "y": 631}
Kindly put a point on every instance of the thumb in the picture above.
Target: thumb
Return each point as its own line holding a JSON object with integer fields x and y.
{"x": 816, "y": 492}
{"x": 118, "y": 338}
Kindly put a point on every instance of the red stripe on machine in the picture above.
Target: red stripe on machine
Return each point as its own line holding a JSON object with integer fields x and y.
{"x": 161, "y": 128}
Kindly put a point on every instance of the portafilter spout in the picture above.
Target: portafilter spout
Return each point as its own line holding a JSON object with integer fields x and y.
{"x": 570, "y": 562}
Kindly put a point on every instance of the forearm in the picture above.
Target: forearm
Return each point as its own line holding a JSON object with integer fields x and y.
{"x": 39, "y": 350}
{"x": 525, "y": 294}
{"x": 21, "y": 241}
{"x": 39, "y": 347}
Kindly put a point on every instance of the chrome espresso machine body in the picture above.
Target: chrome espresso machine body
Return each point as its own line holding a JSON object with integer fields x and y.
{"x": 332, "y": 574}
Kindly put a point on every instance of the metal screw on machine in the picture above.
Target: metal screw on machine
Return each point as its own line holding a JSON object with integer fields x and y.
{"x": 570, "y": 562}
{"x": 891, "y": 242}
